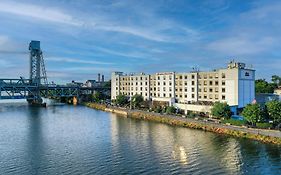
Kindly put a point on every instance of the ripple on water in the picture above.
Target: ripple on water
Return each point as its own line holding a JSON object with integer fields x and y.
{"x": 79, "y": 140}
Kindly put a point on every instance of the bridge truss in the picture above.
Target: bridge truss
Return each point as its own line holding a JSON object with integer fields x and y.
{"x": 36, "y": 87}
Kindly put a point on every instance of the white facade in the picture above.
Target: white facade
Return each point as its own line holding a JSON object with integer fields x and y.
{"x": 234, "y": 85}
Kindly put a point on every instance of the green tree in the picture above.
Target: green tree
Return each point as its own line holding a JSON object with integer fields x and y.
{"x": 274, "y": 110}
{"x": 171, "y": 110}
{"x": 137, "y": 100}
{"x": 253, "y": 113}
{"x": 221, "y": 110}
{"x": 276, "y": 79}
{"x": 262, "y": 86}
{"x": 121, "y": 100}
{"x": 97, "y": 97}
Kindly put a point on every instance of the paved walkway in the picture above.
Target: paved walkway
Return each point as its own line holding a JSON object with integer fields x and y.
{"x": 266, "y": 132}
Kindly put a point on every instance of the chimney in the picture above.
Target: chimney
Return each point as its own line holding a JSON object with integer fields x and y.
{"x": 102, "y": 78}
{"x": 98, "y": 77}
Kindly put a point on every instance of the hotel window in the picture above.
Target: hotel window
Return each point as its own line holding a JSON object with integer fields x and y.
{"x": 205, "y": 82}
{"x": 170, "y": 77}
{"x": 205, "y": 76}
{"x": 223, "y": 90}
{"x": 193, "y": 83}
{"x": 136, "y": 78}
{"x": 176, "y": 95}
{"x": 141, "y": 88}
{"x": 185, "y": 83}
{"x": 180, "y": 90}
{"x": 158, "y": 88}
{"x": 223, "y": 97}
{"x": 216, "y": 97}
{"x": 141, "y": 83}
{"x": 211, "y": 89}
{"x": 180, "y": 77}
{"x": 192, "y": 90}
{"x": 192, "y": 96}
{"x": 164, "y": 83}
{"x": 210, "y": 96}
{"x": 211, "y": 83}
{"x": 158, "y": 95}
{"x": 164, "y": 89}
{"x": 145, "y": 83}
{"x": 180, "y": 96}
{"x": 185, "y": 89}
{"x": 158, "y": 77}
{"x": 199, "y": 89}
{"x": 164, "y": 95}
{"x": 185, "y": 96}
{"x": 170, "y": 83}
{"x": 217, "y": 76}
{"x": 158, "y": 83}
{"x": 205, "y": 96}
{"x": 192, "y": 76}
{"x": 223, "y": 83}
{"x": 145, "y": 94}
{"x": 140, "y": 78}
{"x": 136, "y": 88}
{"x": 210, "y": 76}
{"x": 170, "y": 95}
{"x": 205, "y": 89}
{"x": 223, "y": 75}
{"x": 176, "y": 89}
{"x": 216, "y": 83}
{"x": 170, "y": 89}
{"x": 185, "y": 77}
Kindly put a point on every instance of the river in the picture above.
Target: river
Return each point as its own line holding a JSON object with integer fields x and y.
{"x": 79, "y": 140}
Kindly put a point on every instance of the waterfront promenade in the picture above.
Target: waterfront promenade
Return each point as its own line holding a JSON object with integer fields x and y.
{"x": 264, "y": 135}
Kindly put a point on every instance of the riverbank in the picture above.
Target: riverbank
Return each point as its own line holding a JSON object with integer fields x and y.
{"x": 266, "y": 136}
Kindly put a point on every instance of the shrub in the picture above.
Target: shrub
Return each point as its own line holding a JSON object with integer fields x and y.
{"x": 253, "y": 113}
{"x": 158, "y": 109}
{"x": 221, "y": 110}
{"x": 121, "y": 100}
{"x": 264, "y": 125}
{"x": 137, "y": 100}
{"x": 235, "y": 122}
{"x": 274, "y": 110}
{"x": 171, "y": 110}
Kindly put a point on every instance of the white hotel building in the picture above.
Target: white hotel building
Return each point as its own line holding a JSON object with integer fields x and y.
{"x": 193, "y": 91}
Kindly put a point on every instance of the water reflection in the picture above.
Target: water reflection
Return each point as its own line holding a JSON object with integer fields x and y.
{"x": 79, "y": 140}
{"x": 35, "y": 141}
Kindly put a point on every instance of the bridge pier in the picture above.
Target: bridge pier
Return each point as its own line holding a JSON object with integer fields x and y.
{"x": 36, "y": 102}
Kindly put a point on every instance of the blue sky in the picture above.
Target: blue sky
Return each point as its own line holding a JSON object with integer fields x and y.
{"x": 80, "y": 38}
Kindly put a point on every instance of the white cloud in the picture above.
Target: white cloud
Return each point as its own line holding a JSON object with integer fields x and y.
{"x": 37, "y": 12}
{"x": 77, "y": 60}
{"x": 241, "y": 45}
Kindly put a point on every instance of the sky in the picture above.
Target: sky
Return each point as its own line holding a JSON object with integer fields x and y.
{"x": 81, "y": 38}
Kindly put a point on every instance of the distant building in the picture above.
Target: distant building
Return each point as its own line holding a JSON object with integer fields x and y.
{"x": 278, "y": 92}
{"x": 91, "y": 83}
{"x": 194, "y": 91}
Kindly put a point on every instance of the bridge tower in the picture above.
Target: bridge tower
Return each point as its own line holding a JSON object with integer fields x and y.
{"x": 38, "y": 76}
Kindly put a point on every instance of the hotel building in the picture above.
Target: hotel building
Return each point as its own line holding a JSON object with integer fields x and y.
{"x": 193, "y": 91}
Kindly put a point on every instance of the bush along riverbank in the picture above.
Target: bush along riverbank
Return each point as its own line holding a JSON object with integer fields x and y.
{"x": 266, "y": 136}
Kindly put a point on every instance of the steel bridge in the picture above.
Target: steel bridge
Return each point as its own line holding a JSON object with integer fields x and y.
{"x": 36, "y": 87}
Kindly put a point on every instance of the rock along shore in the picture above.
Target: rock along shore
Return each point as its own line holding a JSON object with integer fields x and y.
{"x": 266, "y": 136}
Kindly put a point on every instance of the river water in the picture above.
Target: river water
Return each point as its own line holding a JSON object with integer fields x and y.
{"x": 79, "y": 140}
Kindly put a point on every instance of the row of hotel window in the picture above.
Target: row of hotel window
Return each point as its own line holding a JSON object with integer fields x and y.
{"x": 179, "y": 96}
{"x": 210, "y": 83}
{"x": 205, "y": 76}
{"x": 170, "y": 89}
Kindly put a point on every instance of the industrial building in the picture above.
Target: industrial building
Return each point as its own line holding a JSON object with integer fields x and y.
{"x": 192, "y": 91}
